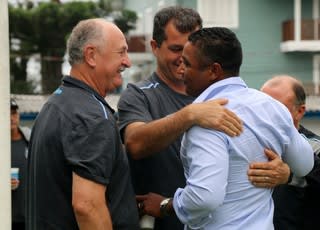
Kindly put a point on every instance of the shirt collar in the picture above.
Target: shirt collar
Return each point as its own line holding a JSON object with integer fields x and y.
{"x": 71, "y": 81}
{"x": 216, "y": 87}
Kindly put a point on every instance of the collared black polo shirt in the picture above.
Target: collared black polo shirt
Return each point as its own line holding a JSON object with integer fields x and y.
{"x": 76, "y": 132}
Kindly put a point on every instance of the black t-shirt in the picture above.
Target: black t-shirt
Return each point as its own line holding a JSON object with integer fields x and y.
{"x": 19, "y": 160}
{"x": 76, "y": 132}
{"x": 161, "y": 173}
{"x": 297, "y": 207}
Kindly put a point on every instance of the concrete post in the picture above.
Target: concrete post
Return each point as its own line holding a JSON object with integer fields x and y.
{"x": 297, "y": 20}
{"x": 5, "y": 162}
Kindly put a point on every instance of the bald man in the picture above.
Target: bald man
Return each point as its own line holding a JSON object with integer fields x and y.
{"x": 296, "y": 203}
{"x": 289, "y": 92}
{"x": 79, "y": 174}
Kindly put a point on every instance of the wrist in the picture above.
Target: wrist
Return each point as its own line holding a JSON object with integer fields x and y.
{"x": 166, "y": 207}
{"x": 189, "y": 116}
{"x": 290, "y": 178}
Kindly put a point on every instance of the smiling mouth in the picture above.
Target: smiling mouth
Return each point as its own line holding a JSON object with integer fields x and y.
{"x": 122, "y": 68}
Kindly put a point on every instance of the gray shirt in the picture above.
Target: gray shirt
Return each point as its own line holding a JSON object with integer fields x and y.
{"x": 161, "y": 173}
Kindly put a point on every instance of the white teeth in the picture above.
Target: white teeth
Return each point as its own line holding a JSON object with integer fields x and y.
{"x": 122, "y": 69}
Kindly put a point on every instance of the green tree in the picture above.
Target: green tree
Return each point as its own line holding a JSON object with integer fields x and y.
{"x": 126, "y": 20}
{"x": 44, "y": 29}
{"x": 52, "y": 23}
{"x": 21, "y": 46}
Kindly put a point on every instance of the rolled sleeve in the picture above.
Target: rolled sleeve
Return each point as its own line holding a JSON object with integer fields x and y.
{"x": 194, "y": 219}
{"x": 206, "y": 167}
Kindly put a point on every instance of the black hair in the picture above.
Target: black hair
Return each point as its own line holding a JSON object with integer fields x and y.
{"x": 184, "y": 19}
{"x": 218, "y": 44}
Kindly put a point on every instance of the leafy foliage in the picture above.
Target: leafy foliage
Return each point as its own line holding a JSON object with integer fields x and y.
{"x": 126, "y": 21}
{"x": 25, "y": 87}
{"x": 44, "y": 29}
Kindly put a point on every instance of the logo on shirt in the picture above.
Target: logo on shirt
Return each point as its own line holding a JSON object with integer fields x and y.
{"x": 58, "y": 91}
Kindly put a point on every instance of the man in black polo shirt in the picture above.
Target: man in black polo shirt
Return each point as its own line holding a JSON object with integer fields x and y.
{"x": 79, "y": 176}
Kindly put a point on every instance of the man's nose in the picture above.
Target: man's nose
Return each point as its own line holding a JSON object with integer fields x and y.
{"x": 127, "y": 61}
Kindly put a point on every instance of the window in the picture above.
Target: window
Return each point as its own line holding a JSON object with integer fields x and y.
{"x": 219, "y": 13}
{"x": 316, "y": 74}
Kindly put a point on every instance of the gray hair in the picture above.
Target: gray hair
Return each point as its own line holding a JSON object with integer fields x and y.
{"x": 299, "y": 92}
{"x": 86, "y": 31}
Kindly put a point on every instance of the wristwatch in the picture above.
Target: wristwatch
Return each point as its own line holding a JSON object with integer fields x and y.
{"x": 163, "y": 207}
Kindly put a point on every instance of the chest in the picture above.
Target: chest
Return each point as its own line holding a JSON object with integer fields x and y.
{"x": 19, "y": 152}
{"x": 162, "y": 103}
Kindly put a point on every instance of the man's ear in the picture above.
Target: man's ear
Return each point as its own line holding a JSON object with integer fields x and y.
{"x": 89, "y": 54}
{"x": 154, "y": 46}
{"x": 217, "y": 71}
{"x": 300, "y": 112}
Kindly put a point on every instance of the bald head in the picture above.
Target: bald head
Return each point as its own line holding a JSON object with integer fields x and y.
{"x": 289, "y": 91}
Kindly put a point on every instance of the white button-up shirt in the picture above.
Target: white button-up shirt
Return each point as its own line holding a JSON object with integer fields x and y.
{"x": 218, "y": 194}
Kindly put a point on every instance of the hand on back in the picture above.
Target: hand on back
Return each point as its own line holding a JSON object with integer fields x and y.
{"x": 212, "y": 114}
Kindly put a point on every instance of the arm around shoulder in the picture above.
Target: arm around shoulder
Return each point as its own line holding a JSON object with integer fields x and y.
{"x": 145, "y": 139}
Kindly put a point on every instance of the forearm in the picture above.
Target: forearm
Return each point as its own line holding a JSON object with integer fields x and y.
{"x": 149, "y": 138}
{"x": 89, "y": 204}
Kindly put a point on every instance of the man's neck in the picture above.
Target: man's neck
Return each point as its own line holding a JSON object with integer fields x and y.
{"x": 84, "y": 76}
{"x": 177, "y": 86}
{"x": 16, "y": 135}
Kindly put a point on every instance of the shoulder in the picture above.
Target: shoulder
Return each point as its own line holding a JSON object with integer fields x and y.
{"x": 143, "y": 85}
{"x": 77, "y": 106}
{"x": 140, "y": 90}
{"x": 152, "y": 82}
{"x": 26, "y": 132}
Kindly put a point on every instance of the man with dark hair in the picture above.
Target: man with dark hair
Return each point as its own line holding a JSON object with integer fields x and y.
{"x": 184, "y": 20}
{"x": 218, "y": 194}
{"x": 296, "y": 203}
{"x": 19, "y": 153}
{"x": 154, "y": 113}
{"x": 151, "y": 114}
{"x": 79, "y": 176}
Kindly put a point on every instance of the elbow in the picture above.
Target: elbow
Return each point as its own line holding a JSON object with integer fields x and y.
{"x": 134, "y": 148}
{"x": 304, "y": 171}
{"x": 82, "y": 208}
{"x": 303, "y": 168}
{"x": 302, "y": 162}
{"x": 211, "y": 201}
{"x": 196, "y": 211}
